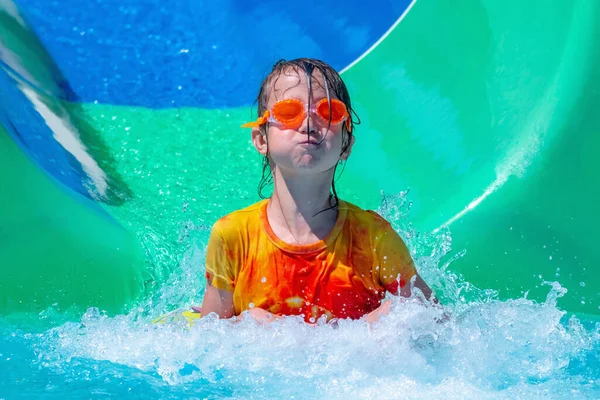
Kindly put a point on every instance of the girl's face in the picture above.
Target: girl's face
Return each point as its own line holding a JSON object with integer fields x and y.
{"x": 313, "y": 147}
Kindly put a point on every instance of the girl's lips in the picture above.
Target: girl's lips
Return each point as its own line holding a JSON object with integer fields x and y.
{"x": 311, "y": 142}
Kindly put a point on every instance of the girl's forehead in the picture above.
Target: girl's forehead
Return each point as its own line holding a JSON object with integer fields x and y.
{"x": 293, "y": 84}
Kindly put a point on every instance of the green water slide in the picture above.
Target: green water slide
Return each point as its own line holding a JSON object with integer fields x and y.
{"x": 488, "y": 112}
{"x": 58, "y": 248}
{"x": 485, "y": 110}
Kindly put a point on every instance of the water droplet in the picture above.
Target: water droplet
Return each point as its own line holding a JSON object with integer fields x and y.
{"x": 264, "y": 279}
{"x": 582, "y": 284}
{"x": 251, "y": 305}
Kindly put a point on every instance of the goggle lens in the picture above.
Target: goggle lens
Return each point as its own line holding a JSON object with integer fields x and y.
{"x": 288, "y": 110}
{"x": 336, "y": 109}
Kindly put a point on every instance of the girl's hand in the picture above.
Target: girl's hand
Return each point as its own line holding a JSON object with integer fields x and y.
{"x": 384, "y": 309}
{"x": 374, "y": 315}
{"x": 261, "y": 315}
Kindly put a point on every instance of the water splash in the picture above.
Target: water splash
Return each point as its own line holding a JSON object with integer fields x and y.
{"x": 492, "y": 349}
{"x": 433, "y": 255}
{"x": 476, "y": 346}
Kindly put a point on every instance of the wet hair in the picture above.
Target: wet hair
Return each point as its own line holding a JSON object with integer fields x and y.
{"x": 334, "y": 85}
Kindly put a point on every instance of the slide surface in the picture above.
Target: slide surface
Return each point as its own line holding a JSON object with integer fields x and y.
{"x": 120, "y": 143}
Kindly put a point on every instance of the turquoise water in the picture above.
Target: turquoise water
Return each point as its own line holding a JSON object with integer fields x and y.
{"x": 475, "y": 347}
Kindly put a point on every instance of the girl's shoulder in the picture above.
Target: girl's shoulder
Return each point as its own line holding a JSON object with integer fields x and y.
{"x": 241, "y": 219}
{"x": 368, "y": 217}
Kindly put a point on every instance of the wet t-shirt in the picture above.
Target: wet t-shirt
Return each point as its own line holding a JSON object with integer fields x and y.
{"x": 345, "y": 275}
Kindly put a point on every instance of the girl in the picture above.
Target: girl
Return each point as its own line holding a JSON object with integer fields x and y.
{"x": 304, "y": 251}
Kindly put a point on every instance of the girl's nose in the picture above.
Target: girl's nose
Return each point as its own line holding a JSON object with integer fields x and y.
{"x": 309, "y": 123}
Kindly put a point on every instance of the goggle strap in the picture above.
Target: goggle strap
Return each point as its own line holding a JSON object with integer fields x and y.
{"x": 259, "y": 121}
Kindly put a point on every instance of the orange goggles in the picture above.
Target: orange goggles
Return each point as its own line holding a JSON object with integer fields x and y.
{"x": 290, "y": 113}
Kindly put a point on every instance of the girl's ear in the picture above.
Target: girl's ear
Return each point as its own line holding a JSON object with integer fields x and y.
{"x": 344, "y": 156}
{"x": 259, "y": 140}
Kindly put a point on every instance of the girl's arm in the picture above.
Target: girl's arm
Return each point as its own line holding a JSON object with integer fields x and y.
{"x": 217, "y": 301}
{"x": 419, "y": 283}
{"x": 405, "y": 291}
{"x": 221, "y": 302}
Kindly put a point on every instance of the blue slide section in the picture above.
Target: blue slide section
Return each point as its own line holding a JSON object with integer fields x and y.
{"x": 30, "y": 131}
{"x": 206, "y": 54}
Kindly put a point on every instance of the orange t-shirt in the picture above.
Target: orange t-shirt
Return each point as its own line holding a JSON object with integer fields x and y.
{"x": 345, "y": 275}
